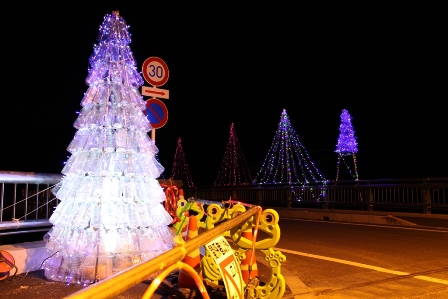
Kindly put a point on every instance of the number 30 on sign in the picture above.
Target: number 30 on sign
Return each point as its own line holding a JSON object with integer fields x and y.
{"x": 155, "y": 71}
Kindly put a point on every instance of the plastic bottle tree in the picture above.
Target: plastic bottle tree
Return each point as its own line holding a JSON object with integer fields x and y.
{"x": 288, "y": 161}
{"x": 180, "y": 169}
{"x": 162, "y": 176}
{"x": 347, "y": 145}
{"x": 110, "y": 215}
{"x": 234, "y": 170}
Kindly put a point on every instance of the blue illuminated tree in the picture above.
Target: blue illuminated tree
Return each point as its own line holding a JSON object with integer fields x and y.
{"x": 110, "y": 215}
{"x": 180, "y": 169}
{"x": 347, "y": 145}
{"x": 288, "y": 161}
{"x": 234, "y": 170}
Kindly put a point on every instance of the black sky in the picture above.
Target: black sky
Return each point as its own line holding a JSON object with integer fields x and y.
{"x": 241, "y": 63}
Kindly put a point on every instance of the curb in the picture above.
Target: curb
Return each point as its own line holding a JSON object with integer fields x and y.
{"x": 298, "y": 289}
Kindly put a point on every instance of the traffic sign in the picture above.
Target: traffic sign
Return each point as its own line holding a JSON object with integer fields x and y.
{"x": 155, "y": 92}
{"x": 222, "y": 253}
{"x": 155, "y": 71}
{"x": 156, "y": 113}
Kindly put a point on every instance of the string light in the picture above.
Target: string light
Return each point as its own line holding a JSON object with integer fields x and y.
{"x": 110, "y": 215}
{"x": 180, "y": 169}
{"x": 234, "y": 170}
{"x": 347, "y": 145}
{"x": 288, "y": 161}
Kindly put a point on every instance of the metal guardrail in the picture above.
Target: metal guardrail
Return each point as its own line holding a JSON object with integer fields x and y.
{"x": 26, "y": 200}
{"x": 412, "y": 195}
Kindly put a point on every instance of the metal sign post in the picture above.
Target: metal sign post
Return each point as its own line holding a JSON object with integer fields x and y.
{"x": 155, "y": 71}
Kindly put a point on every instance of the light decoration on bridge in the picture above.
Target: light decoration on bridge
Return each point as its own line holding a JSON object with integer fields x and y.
{"x": 347, "y": 145}
{"x": 180, "y": 169}
{"x": 288, "y": 161}
{"x": 110, "y": 215}
{"x": 234, "y": 170}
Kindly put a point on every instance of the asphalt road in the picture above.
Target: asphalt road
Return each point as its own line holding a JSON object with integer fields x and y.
{"x": 347, "y": 260}
{"x": 324, "y": 260}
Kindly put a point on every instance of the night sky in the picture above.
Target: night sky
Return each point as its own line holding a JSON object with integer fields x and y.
{"x": 242, "y": 64}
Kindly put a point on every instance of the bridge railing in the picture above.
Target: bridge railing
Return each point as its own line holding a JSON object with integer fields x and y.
{"x": 26, "y": 197}
{"x": 411, "y": 195}
{"x": 26, "y": 200}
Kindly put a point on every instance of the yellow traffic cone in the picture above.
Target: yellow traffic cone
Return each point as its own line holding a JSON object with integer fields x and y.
{"x": 193, "y": 259}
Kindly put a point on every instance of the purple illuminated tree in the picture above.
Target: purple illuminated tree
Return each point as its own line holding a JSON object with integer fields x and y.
{"x": 110, "y": 215}
{"x": 347, "y": 145}
{"x": 288, "y": 161}
{"x": 180, "y": 170}
{"x": 234, "y": 170}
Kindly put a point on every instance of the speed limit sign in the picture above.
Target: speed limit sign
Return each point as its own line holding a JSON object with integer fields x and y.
{"x": 155, "y": 71}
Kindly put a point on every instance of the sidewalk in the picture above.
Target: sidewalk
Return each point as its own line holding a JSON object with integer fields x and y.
{"x": 436, "y": 221}
{"x": 34, "y": 285}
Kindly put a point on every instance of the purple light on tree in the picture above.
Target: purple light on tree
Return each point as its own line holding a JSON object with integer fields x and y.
{"x": 234, "y": 170}
{"x": 347, "y": 141}
{"x": 288, "y": 161}
{"x": 110, "y": 215}
{"x": 180, "y": 169}
{"x": 347, "y": 145}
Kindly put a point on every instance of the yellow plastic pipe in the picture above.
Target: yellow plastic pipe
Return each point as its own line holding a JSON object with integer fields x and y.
{"x": 179, "y": 265}
{"x": 126, "y": 279}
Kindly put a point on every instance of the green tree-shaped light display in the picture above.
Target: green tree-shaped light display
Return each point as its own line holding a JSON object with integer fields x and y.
{"x": 347, "y": 145}
{"x": 288, "y": 161}
{"x": 234, "y": 170}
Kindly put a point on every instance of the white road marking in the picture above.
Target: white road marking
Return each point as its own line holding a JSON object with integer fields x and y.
{"x": 435, "y": 229}
{"x": 379, "y": 269}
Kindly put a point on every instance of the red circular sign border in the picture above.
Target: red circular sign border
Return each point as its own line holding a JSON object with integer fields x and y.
{"x": 146, "y": 76}
{"x": 162, "y": 123}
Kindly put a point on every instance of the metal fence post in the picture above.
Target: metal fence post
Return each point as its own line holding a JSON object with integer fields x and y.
{"x": 370, "y": 207}
{"x": 426, "y": 201}
{"x": 289, "y": 197}
{"x": 258, "y": 197}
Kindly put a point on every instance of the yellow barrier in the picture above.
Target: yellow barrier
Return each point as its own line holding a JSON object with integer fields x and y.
{"x": 179, "y": 265}
{"x": 120, "y": 282}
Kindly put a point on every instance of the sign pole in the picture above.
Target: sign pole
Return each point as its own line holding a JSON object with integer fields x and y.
{"x": 156, "y": 72}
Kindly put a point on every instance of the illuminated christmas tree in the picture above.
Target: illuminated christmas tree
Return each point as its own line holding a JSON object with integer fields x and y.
{"x": 234, "y": 170}
{"x": 110, "y": 215}
{"x": 288, "y": 161}
{"x": 162, "y": 175}
{"x": 347, "y": 145}
{"x": 180, "y": 170}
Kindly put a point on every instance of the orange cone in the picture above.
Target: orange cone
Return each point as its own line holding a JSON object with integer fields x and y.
{"x": 193, "y": 259}
{"x": 180, "y": 193}
{"x": 248, "y": 267}
{"x": 7, "y": 263}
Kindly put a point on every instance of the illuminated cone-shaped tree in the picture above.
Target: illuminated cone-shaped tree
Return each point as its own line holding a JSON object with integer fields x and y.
{"x": 234, "y": 170}
{"x": 180, "y": 170}
{"x": 288, "y": 161}
{"x": 347, "y": 145}
{"x": 162, "y": 175}
{"x": 110, "y": 215}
